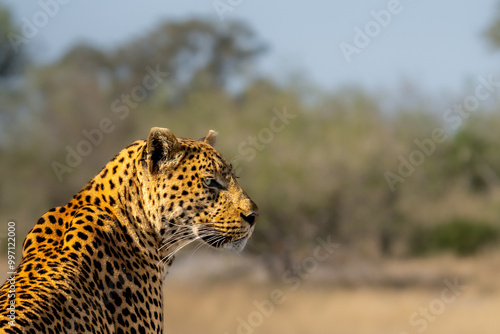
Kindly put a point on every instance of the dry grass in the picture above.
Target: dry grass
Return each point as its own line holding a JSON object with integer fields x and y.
{"x": 383, "y": 299}
{"x": 216, "y": 309}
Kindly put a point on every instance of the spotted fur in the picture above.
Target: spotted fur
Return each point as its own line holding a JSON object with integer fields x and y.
{"x": 96, "y": 264}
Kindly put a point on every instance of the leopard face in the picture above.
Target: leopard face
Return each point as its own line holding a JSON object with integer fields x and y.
{"x": 193, "y": 193}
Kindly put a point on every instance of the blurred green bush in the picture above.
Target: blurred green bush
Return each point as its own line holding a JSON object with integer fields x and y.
{"x": 460, "y": 236}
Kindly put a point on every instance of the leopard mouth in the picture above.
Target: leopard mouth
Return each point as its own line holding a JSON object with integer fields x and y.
{"x": 224, "y": 242}
{"x": 215, "y": 238}
{"x": 216, "y": 241}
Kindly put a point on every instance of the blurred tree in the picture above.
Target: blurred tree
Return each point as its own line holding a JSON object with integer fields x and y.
{"x": 492, "y": 33}
{"x": 473, "y": 153}
{"x": 195, "y": 52}
{"x": 11, "y": 65}
{"x": 10, "y": 60}
{"x": 87, "y": 57}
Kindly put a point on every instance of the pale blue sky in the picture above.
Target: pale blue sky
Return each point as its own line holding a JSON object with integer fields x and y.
{"x": 437, "y": 45}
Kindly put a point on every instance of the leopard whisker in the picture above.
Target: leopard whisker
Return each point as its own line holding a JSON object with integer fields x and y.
{"x": 168, "y": 257}
{"x": 175, "y": 239}
{"x": 206, "y": 244}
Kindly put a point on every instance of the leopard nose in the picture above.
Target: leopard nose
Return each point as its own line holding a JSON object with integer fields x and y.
{"x": 251, "y": 218}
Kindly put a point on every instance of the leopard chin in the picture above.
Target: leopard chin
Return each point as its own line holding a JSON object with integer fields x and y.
{"x": 235, "y": 246}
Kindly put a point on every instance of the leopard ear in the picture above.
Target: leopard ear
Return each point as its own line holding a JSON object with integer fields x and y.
{"x": 210, "y": 138}
{"x": 162, "y": 146}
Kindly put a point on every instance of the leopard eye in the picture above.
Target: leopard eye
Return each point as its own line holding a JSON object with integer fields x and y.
{"x": 212, "y": 183}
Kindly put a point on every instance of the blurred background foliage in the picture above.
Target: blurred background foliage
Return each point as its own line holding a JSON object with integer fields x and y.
{"x": 322, "y": 173}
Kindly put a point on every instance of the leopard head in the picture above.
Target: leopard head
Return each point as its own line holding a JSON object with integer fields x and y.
{"x": 192, "y": 193}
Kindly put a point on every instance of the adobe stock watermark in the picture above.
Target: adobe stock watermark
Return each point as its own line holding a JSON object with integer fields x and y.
{"x": 248, "y": 149}
{"x": 453, "y": 118}
{"x": 224, "y": 6}
{"x": 121, "y": 108}
{"x": 421, "y": 319}
{"x": 30, "y": 27}
{"x": 292, "y": 279}
{"x": 363, "y": 36}
{"x": 11, "y": 312}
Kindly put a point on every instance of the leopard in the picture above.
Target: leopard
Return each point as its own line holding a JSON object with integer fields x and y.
{"x": 98, "y": 263}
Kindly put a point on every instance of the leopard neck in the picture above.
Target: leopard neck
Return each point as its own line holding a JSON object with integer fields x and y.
{"x": 117, "y": 191}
